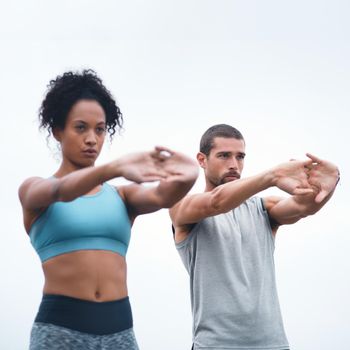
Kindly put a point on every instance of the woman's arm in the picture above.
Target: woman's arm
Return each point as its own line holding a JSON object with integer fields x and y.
{"x": 36, "y": 193}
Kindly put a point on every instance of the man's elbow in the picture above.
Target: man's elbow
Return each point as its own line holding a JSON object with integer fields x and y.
{"x": 218, "y": 202}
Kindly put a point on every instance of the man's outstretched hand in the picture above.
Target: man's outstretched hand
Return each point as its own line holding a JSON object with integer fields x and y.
{"x": 292, "y": 177}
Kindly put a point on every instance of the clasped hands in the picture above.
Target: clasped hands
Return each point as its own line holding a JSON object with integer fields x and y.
{"x": 159, "y": 164}
{"x": 312, "y": 176}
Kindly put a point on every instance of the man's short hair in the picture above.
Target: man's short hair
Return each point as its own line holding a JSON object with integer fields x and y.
{"x": 218, "y": 130}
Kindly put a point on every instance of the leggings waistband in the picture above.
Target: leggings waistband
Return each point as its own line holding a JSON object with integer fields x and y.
{"x": 91, "y": 317}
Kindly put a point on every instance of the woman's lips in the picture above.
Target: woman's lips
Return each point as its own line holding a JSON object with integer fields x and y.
{"x": 90, "y": 152}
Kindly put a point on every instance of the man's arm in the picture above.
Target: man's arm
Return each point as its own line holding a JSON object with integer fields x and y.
{"x": 323, "y": 178}
{"x": 290, "y": 177}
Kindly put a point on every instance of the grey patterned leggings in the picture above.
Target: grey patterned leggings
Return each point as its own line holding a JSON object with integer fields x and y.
{"x": 45, "y": 336}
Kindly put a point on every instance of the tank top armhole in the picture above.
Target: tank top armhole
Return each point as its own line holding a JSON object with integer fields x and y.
{"x": 115, "y": 190}
{"x": 263, "y": 209}
{"x": 44, "y": 215}
{"x": 189, "y": 237}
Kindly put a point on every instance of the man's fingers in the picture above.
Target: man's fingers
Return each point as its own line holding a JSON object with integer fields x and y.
{"x": 314, "y": 158}
{"x": 321, "y": 196}
{"x": 301, "y": 191}
{"x": 307, "y": 163}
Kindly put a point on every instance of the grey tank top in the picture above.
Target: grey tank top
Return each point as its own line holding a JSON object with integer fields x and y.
{"x": 229, "y": 258}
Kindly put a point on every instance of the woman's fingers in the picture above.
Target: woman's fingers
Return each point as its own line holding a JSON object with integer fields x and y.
{"x": 162, "y": 153}
{"x": 159, "y": 156}
{"x": 164, "y": 149}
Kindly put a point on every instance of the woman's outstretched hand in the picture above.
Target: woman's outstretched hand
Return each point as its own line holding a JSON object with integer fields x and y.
{"x": 176, "y": 165}
{"x": 158, "y": 164}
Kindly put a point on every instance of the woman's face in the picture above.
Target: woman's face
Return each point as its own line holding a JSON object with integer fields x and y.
{"x": 83, "y": 135}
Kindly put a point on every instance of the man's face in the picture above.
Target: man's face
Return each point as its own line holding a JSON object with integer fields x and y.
{"x": 225, "y": 161}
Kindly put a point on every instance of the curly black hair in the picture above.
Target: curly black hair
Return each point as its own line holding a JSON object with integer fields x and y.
{"x": 64, "y": 91}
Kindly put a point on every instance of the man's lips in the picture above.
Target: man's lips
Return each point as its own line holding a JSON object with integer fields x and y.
{"x": 233, "y": 175}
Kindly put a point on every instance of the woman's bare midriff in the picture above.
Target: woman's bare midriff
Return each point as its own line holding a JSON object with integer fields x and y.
{"x": 95, "y": 275}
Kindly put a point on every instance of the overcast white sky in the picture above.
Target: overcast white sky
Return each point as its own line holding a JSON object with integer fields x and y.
{"x": 277, "y": 70}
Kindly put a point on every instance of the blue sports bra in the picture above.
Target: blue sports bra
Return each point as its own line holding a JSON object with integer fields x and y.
{"x": 99, "y": 221}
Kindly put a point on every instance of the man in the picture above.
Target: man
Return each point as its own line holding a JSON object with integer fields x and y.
{"x": 225, "y": 237}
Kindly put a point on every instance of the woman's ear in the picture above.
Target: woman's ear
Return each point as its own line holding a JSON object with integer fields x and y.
{"x": 56, "y": 132}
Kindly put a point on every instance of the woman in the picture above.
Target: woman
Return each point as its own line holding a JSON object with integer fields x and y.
{"x": 80, "y": 226}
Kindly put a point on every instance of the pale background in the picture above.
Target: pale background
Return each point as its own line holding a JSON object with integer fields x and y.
{"x": 277, "y": 70}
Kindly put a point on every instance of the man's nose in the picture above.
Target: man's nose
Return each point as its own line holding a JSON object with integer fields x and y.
{"x": 233, "y": 163}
